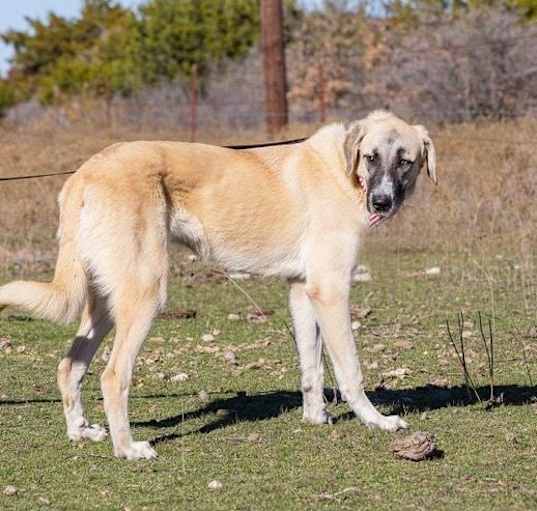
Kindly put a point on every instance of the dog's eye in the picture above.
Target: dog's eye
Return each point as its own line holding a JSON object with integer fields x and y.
{"x": 371, "y": 157}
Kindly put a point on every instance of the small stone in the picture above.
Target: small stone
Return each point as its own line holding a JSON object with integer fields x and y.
{"x": 207, "y": 337}
{"x": 254, "y": 437}
{"x": 216, "y": 332}
{"x": 233, "y": 317}
{"x": 239, "y": 275}
{"x": 105, "y": 356}
{"x": 230, "y": 358}
{"x": 5, "y": 344}
{"x": 21, "y": 349}
{"x": 434, "y": 270}
{"x": 179, "y": 377}
{"x": 215, "y": 485}
{"x": 361, "y": 274}
{"x": 221, "y": 412}
{"x": 204, "y": 396}
{"x": 355, "y": 325}
{"x": 10, "y": 490}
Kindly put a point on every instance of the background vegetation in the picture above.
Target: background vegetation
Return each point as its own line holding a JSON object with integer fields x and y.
{"x": 468, "y": 71}
{"x": 444, "y": 61}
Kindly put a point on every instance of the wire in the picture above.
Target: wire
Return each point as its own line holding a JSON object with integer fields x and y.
{"x": 236, "y": 147}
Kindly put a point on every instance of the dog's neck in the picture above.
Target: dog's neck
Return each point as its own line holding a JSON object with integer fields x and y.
{"x": 327, "y": 142}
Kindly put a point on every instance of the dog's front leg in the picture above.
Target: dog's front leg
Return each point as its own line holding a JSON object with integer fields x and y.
{"x": 329, "y": 294}
{"x": 309, "y": 347}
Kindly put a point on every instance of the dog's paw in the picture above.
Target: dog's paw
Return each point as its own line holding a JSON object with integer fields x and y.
{"x": 95, "y": 433}
{"x": 137, "y": 451}
{"x": 388, "y": 423}
{"x": 317, "y": 417}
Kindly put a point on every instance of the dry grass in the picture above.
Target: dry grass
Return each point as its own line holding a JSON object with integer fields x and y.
{"x": 488, "y": 181}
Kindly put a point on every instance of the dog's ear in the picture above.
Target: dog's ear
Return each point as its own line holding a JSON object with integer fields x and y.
{"x": 429, "y": 153}
{"x": 354, "y": 134}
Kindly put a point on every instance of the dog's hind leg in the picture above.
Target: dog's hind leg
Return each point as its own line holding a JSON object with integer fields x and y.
{"x": 95, "y": 324}
{"x": 309, "y": 347}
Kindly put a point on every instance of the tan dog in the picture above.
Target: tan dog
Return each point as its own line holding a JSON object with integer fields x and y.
{"x": 298, "y": 211}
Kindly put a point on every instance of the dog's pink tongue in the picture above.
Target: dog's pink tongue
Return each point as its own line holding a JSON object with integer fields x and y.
{"x": 374, "y": 219}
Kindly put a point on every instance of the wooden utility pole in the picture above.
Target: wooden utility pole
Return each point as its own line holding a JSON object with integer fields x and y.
{"x": 274, "y": 65}
{"x": 194, "y": 103}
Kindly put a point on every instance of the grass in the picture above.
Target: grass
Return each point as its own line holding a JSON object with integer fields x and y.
{"x": 249, "y": 434}
{"x": 478, "y": 227}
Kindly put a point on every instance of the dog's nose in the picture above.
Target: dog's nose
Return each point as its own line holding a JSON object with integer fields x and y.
{"x": 381, "y": 203}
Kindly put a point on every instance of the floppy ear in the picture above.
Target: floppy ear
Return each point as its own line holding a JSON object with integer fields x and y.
{"x": 430, "y": 153}
{"x": 353, "y": 136}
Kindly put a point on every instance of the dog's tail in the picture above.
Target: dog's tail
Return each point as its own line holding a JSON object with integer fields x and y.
{"x": 62, "y": 299}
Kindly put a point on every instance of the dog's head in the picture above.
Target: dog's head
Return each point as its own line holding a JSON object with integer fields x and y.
{"x": 385, "y": 155}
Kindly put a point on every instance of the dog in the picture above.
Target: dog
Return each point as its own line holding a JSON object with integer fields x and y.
{"x": 297, "y": 211}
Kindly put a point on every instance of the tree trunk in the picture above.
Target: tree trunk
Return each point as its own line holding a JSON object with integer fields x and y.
{"x": 274, "y": 65}
{"x": 193, "y": 103}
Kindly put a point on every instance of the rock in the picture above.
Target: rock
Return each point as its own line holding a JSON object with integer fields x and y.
{"x": 215, "y": 485}
{"x": 239, "y": 275}
{"x": 207, "y": 338}
{"x": 5, "y": 344}
{"x": 415, "y": 447}
{"x": 204, "y": 396}
{"x": 10, "y": 490}
{"x": 355, "y": 325}
{"x": 21, "y": 349}
{"x": 230, "y": 358}
{"x": 179, "y": 377}
{"x": 434, "y": 270}
{"x": 361, "y": 274}
{"x": 233, "y": 317}
{"x": 105, "y": 356}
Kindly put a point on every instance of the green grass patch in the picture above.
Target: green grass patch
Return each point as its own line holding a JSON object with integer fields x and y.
{"x": 249, "y": 435}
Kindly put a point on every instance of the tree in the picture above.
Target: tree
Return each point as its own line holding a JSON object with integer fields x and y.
{"x": 95, "y": 54}
{"x": 7, "y": 96}
{"x": 325, "y": 52}
{"x": 180, "y": 35}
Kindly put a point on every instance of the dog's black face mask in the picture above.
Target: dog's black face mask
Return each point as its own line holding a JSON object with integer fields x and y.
{"x": 387, "y": 161}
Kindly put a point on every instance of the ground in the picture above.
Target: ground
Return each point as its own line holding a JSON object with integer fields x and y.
{"x": 241, "y": 424}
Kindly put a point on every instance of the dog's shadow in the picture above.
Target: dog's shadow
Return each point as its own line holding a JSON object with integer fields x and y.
{"x": 268, "y": 405}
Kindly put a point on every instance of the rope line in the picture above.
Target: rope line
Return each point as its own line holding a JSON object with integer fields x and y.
{"x": 236, "y": 147}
